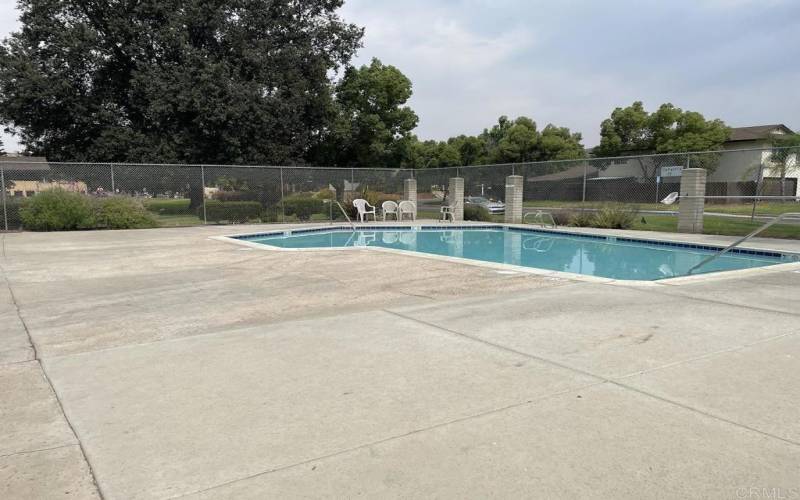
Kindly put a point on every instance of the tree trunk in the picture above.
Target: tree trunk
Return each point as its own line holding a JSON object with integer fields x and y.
{"x": 195, "y": 196}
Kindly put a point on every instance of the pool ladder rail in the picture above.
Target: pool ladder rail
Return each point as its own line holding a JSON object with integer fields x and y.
{"x": 741, "y": 240}
{"x": 344, "y": 212}
{"x": 539, "y": 218}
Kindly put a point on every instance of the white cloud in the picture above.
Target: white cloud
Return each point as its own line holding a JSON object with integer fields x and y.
{"x": 573, "y": 62}
{"x": 8, "y": 23}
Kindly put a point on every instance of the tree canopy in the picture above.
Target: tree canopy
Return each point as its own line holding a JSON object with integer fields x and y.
{"x": 633, "y": 130}
{"x": 373, "y": 125}
{"x": 508, "y": 141}
{"x": 229, "y": 81}
{"x": 257, "y": 82}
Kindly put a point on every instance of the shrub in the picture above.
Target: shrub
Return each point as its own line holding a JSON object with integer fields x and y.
{"x": 581, "y": 219}
{"x": 56, "y": 210}
{"x": 303, "y": 206}
{"x": 120, "y": 212}
{"x": 236, "y": 196}
{"x": 271, "y": 214}
{"x": 376, "y": 198}
{"x": 178, "y": 206}
{"x": 325, "y": 194}
{"x": 615, "y": 217}
{"x": 13, "y": 205}
{"x": 231, "y": 211}
{"x": 561, "y": 217}
{"x": 477, "y": 212}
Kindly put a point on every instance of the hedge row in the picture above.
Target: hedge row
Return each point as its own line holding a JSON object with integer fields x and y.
{"x": 60, "y": 210}
{"x": 231, "y": 211}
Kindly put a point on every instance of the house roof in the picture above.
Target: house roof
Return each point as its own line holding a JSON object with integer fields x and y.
{"x": 757, "y": 132}
{"x": 575, "y": 172}
{"x": 24, "y": 163}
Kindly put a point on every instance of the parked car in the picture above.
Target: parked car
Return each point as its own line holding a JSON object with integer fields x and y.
{"x": 494, "y": 207}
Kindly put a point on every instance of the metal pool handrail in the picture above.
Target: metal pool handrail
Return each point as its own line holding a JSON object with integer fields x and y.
{"x": 353, "y": 226}
{"x": 539, "y": 216}
{"x": 743, "y": 239}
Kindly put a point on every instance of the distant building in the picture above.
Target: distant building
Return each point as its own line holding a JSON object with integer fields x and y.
{"x": 745, "y": 165}
{"x": 734, "y": 167}
{"x": 26, "y": 176}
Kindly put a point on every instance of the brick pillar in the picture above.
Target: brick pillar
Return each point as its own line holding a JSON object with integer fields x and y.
{"x": 456, "y": 197}
{"x": 513, "y": 199}
{"x": 690, "y": 210}
{"x": 410, "y": 193}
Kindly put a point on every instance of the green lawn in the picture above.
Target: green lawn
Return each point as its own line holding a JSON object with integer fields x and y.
{"x": 717, "y": 225}
{"x": 177, "y": 220}
{"x": 763, "y": 208}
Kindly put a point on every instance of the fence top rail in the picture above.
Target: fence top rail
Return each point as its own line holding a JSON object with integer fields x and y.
{"x": 737, "y": 197}
{"x": 9, "y": 161}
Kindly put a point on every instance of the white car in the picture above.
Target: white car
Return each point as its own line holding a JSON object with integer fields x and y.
{"x": 494, "y": 207}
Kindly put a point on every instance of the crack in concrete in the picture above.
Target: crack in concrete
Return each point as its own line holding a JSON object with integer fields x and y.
{"x": 392, "y": 438}
{"x": 663, "y": 291}
{"x": 28, "y": 452}
{"x": 617, "y": 382}
{"x": 38, "y": 360}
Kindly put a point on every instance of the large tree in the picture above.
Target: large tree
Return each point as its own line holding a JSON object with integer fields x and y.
{"x": 520, "y": 141}
{"x": 508, "y": 141}
{"x": 212, "y": 81}
{"x": 634, "y": 131}
{"x": 431, "y": 154}
{"x": 373, "y": 125}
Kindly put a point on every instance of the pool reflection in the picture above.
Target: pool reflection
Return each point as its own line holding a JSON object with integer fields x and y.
{"x": 596, "y": 257}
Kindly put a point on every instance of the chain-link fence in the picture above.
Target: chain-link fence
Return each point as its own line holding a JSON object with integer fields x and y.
{"x": 184, "y": 195}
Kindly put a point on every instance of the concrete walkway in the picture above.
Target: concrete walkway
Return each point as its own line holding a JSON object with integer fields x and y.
{"x": 164, "y": 364}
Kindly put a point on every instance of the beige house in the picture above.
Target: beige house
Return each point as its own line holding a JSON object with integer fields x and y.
{"x": 745, "y": 165}
{"x": 29, "y": 188}
{"x": 26, "y": 176}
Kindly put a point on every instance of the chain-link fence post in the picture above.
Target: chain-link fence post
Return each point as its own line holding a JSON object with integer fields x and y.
{"x": 203, "y": 191}
{"x": 583, "y": 194}
{"x": 760, "y": 175}
{"x": 113, "y": 184}
{"x": 283, "y": 210}
{"x": 3, "y": 187}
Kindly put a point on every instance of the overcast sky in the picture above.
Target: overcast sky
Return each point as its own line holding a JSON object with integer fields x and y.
{"x": 571, "y": 62}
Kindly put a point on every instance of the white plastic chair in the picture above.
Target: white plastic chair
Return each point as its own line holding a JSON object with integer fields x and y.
{"x": 389, "y": 208}
{"x": 670, "y": 198}
{"x": 448, "y": 211}
{"x": 406, "y": 207}
{"x": 362, "y": 206}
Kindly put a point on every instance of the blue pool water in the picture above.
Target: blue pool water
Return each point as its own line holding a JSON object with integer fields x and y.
{"x": 607, "y": 257}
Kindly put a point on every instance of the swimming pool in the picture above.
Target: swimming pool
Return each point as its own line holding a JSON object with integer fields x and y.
{"x": 587, "y": 254}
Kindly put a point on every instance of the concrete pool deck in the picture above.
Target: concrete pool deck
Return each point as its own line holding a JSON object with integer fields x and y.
{"x": 167, "y": 364}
